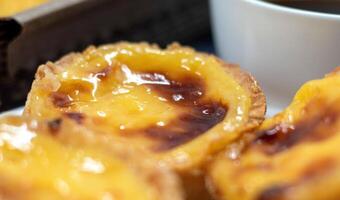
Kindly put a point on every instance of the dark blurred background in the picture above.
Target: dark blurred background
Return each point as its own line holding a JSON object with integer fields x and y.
{"x": 47, "y": 32}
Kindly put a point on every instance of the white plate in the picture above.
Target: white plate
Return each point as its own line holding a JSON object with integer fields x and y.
{"x": 17, "y": 111}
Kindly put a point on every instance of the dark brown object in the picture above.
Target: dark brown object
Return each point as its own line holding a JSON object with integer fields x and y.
{"x": 273, "y": 193}
{"x": 77, "y": 117}
{"x": 54, "y": 126}
{"x": 47, "y": 32}
{"x": 60, "y": 100}
{"x": 324, "y": 6}
{"x": 281, "y": 137}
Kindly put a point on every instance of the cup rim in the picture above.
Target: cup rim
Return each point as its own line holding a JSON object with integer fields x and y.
{"x": 295, "y": 11}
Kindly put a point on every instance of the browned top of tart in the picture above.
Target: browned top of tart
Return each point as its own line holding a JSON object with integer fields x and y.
{"x": 174, "y": 101}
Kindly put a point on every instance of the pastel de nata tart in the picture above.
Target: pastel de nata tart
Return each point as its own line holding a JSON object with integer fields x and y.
{"x": 292, "y": 156}
{"x": 60, "y": 160}
{"x": 178, "y": 104}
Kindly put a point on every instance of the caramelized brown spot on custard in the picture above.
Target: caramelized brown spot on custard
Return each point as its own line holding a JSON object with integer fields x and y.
{"x": 54, "y": 126}
{"x": 198, "y": 120}
{"x": 60, "y": 100}
{"x": 77, "y": 117}
{"x": 273, "y": 193}
{"x": 185, "y": 92}
{"x": 103, "y": 73}
{"x": 198, "y": 115}
{"x": 314, "y": 128}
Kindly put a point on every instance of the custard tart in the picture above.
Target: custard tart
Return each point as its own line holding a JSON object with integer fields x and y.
{"x": 292, "y": 156}
{"x": 60, "y": 160}
{"x": 179, "y": 105}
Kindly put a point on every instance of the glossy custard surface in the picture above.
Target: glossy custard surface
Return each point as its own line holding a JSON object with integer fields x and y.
{"x": 12, "y": 7}
{"x": 174, "y": 101}
{"x": 34, "y": 164}
{"x": 293, "y": 155}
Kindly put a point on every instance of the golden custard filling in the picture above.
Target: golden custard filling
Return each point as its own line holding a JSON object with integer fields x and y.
{"x": 291, "y": 154}
{"x": 36, "y": 164}
{"x": 165, "y": 100}
{"x": 12, "y": 7}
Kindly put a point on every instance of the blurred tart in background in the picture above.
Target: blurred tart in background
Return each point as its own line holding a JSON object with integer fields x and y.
{"x": 12, "y": 7}
{"x": 292, "y": 156}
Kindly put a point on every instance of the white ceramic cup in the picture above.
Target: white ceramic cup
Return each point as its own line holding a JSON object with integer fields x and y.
{"x": 282, "y": 47}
